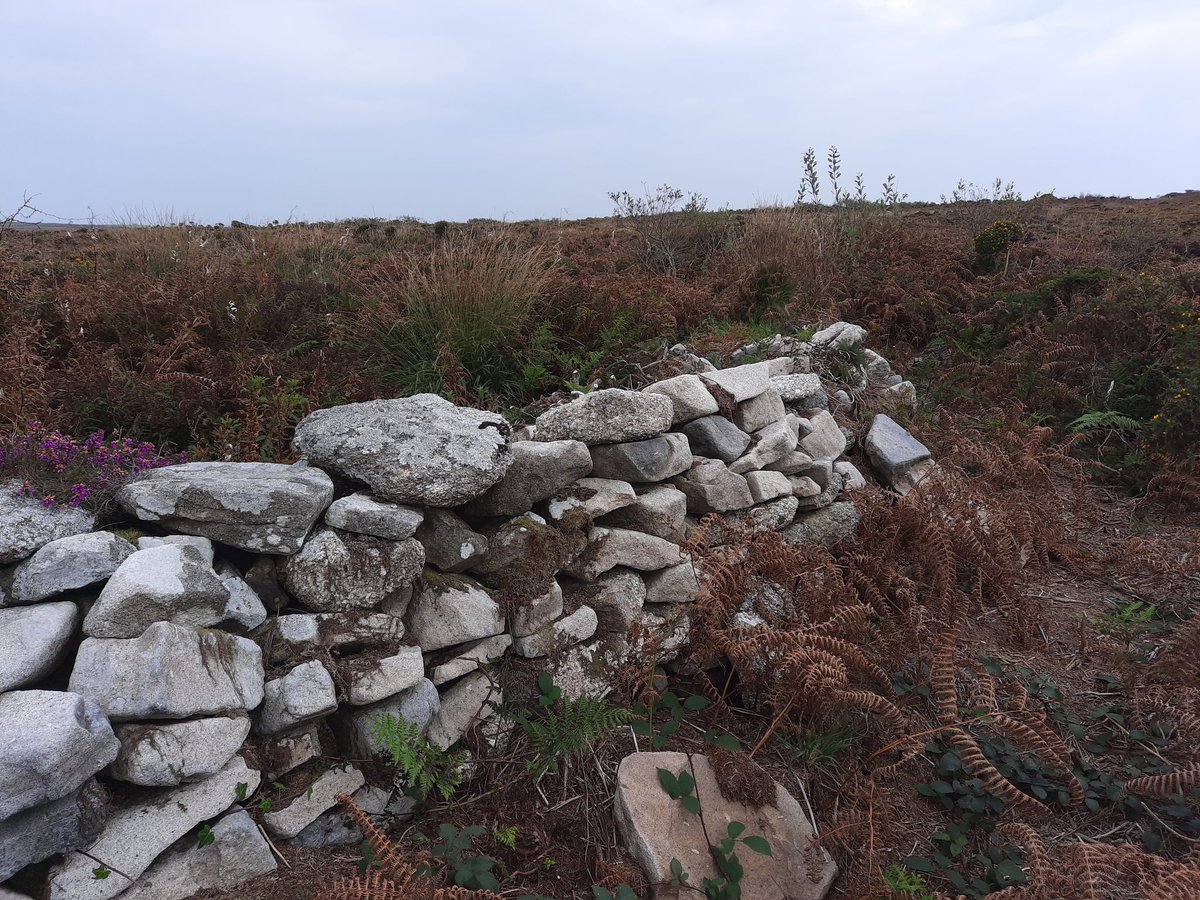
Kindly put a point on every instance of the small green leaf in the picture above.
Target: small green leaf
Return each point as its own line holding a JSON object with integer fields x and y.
{"x": 669, "y": 783}
{"x": 691, "y": 804}
{"x": 735, "y": 829}
{"x": 919, "y": 864}
{"x": 101, "y": 872}
{"x": 758, "y": 844}
{"x": 240, "y": 793}
{"x": 204, "y": 837}
{"x": 695, "y": 702}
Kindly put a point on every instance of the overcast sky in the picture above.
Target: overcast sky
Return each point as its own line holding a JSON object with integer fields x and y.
{"x": 257, "y": 109}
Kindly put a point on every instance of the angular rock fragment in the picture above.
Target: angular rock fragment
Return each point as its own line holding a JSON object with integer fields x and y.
{"x": 690, "y": 399}
{"x": 607, "y": 416}
{"x": 739, "y": 383}
{"x": 539, "y": 470}
{"x": 363, "y": 514}
{"x": 771, "y": 444}
{"x": 836, "y": 522}
{"x": 169, "y": 583}
{"x": 303, "y": 694}
{"x": 711, "y": 487}
{"x": 470, "y": 657}
{"x": 452, "y": 609}
{"x": 528, "y": 617}
{"x": 573, "y": 629}
{"x": 794, "y": 388}
{"x": 169, "y": 672}
{"x": 616, "y": 596}
{"x": 826, "y": 440}
{"x": 289, "y": 820}
{"x": 262, "y": 507}
{"x": 894, "y": 453}
{"x": 372, "y": 680}
{"x": 654, "y": 459}
{"x": 68, "y": 564}
{"x": 163, "y": 754}
{"x": 466, "y": 702}
{"x": 715, "y": 437}
{"x": 33, "y": 641}
{"x": 609, "y": 547}
{"x": 759, "y": 412}
{"x": 659, "y": 510}
{"x": 450, "y": 543}
{"x": 766, "y": 486}
{"x": 678, "y": 584}
{"x": 51, "y": 743}
{"x": 590, "y": 498}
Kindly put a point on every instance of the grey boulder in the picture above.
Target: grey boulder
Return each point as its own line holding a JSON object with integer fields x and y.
{"x": 26, "y": 525}
{"x": 894, "y": 453}
{"x": 566, "y": 632}
{"x": 836, "y": 522}
{"x": 288, "y": 821}
{"x": 826, "y": 440}
{"x": 711, "y": 487}
{"x": 539, "y": 470}
{"x": 237, "y": 853}
{"x": 337, "y": 571}
{"x": 305, "y": 693}
{"x": 466, "y": 702}
{"x": 33, "y": 641}
{"x": 607, "y": 416}
{"x": 759, "y": 412}
{"x": 715, "y": 437}
{"x": 417, "y": 706}
{"x": 262, "y": 507}
{"x": 136, "y": 834}
{"x": 51, "y": 742}
{"x": 609, "y": 547}
{"x": 372, "y": 679}
{"x": 169, "y": 672}
{"x": 163, "y": 754}
{"x": 420, "y": 449}
{"x": 654, "y": 459}
{"x": 363, "y": 514}
{"x": 452, "y": 609}
{"x": 659, "y": 510}
{"x": 171, "y": 583}
{"x": 739, "y": 383}
{"x": 588, "y": 499}
{"x": 40, "y": 832}
{"x": 690, "y": 399}
{"x": 69, "y": 564}
{"x": 450, "y": 543}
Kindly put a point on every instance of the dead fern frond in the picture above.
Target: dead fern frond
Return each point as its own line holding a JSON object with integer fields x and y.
{"x": 1178, "y": 782}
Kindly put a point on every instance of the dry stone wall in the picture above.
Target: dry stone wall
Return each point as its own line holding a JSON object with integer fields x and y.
{"x": 271, "y": 614}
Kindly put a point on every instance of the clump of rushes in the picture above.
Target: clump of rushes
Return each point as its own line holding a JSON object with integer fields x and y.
{"x": 59, "y": 470}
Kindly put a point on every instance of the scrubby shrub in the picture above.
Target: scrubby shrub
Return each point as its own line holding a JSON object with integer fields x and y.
{"x": 59, "y": 470}
{"x": 993, "y": 241}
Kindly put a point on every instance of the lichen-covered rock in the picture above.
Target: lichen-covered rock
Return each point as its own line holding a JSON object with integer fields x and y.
{"x": 162, "y": 754}
{"x": 690, "y": 399}
{"x": 244, "y": 611}
{"x": 69, "y": 564}
{"x": 363, "y": 514}
{"x": 677, "y": 584}
{"x": 539, "y": 470}
{"x": 450, "y": 543}
{"x": 526, "y": 618}
{"x": 590, "y": 498}
{"x": 299, "y": 635}
{"x": 616, "y": 596}
{"x": 171, "y": 583}
{"x": 169, "y": 672}
{"x": 795, "y": 388}
{"x": 51, "y": 743}
{"x": 203, "y": 544}
{"x": 136, "y": 834}
{"x": 305, "y": 693}
{"x": 337, "y": 571}
{"x": 33, "y": 641}
{"x": 421, "y": 449}
{"x": 609, "y": 547}
{"x": 452, "y": 609}
{"x": 468, "y": 658}
{"x": 606, "y": 417}
{"x": 836, "y": 522}
{"x": 766, "y": 486}
{"x": 26, "y": 525}
{"x": 262, "y": 507}
{"x": 771, "y": 444}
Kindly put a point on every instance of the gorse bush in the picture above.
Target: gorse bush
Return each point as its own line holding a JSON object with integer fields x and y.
{"x": 464, "y": 320}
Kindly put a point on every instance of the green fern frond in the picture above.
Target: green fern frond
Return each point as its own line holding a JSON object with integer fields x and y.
{"x": 1104, "y": 420}
{"x": 565, "y": 731}
{"x": 426, "y": 768}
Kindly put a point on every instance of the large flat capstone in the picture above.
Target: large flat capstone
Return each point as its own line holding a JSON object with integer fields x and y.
{"x": 263, "y": 507}
{"x": 420, "y": 449}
